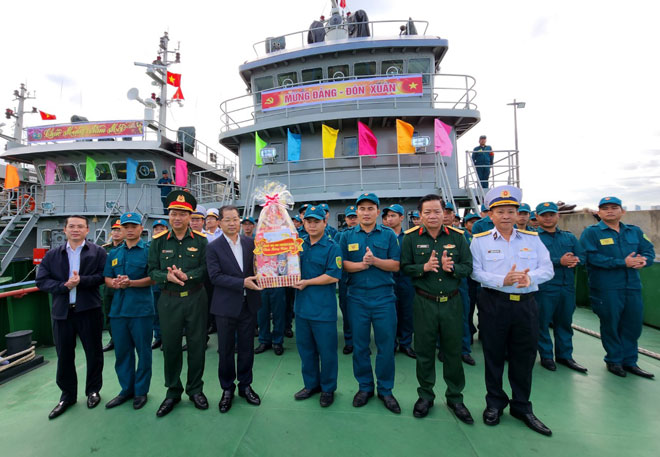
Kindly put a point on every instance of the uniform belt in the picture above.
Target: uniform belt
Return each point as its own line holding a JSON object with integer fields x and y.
{"x": 436, "y": 298}
{"x": 509, "y": 296}
{"x": 182, "y": 293}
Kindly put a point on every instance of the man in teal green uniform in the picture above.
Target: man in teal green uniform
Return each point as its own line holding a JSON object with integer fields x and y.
{"x": 117, "y": 237}
{"x": 177, "y": 262}
{"x": 316, "y": 309}
{"x": 484, "y": 224}
{"x": 615, "y": 254}
{"x": 524, "y": 214}
{"x": 132, "y": 312}
{"x": 351, "y": 221}
{"x": 371, "y": 254}
{"x": 437, "y": 257}
{"x": 556, "y": 298}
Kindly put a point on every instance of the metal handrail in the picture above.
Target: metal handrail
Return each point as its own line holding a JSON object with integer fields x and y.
{"x": 303, "y": 33}
{"x": 249, "y": 109}
{"x": 504, "y": 171}
{"x": 110, "y": 214}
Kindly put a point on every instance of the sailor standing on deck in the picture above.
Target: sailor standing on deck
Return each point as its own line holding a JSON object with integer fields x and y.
{"x": 509, "y": 264}
{"x": 351, "y": 221}
{"x": 615, "y": 254}
{"x": 371, "y": 254}
{"x": 117, "y": 237}
{"x": 177, "y": 262}
{"x": 437, "y": 257}
{"x": 132, "y": 312}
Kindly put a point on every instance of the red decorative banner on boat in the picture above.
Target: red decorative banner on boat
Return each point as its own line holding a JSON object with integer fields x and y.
{"x": 286, "y": 246}
{"x": 85, "y": 131}
{"x": 339, "y": 91}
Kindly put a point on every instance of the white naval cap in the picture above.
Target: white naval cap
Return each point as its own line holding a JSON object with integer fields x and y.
{"x": 503, "y": 195}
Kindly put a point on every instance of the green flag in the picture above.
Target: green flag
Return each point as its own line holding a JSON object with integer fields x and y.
{"x": 90, "y": 170}
{"x": 259, "y": 144}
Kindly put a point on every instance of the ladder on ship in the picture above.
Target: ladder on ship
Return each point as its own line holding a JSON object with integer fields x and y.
{"x": 13, "y": 235}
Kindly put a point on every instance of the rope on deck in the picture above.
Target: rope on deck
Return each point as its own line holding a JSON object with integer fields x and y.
{"x": 643, "y": 351}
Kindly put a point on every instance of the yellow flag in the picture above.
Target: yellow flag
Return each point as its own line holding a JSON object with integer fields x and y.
{"x": 404, "y": 134}
{"x": 329, "y": 138}
{"x": 11, "y": 177}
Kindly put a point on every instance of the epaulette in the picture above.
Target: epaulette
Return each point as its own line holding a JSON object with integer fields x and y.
{"x": 164, "y": 232}
{"x": 488, "y": 232}
{"x": 410, "y": 230}
{"x": 455, "y": 229}
{"x": 106, "y": 245}
{"x": 527, "y": 232}
{"x": 199, "y": 233}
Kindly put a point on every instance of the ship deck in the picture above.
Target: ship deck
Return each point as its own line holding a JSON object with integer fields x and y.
{"x": 591, "y": 415}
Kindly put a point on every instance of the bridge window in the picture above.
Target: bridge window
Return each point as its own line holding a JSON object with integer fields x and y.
{"x": 68, "y": 172}
{"x": 312, "y": 74}
{"x": 101, "y": 235}
{"x": 42, "y": 170}
{"x": 102, "y": 171}
{"x": 364, "y": 69}
{"x": 45, "y": 238}
{"x": 350, "y": 146}
{"x": 338, "y": 72}
{"x": 392, "y": 67}
{"x": 120, "y": 170}
{"x": 287, "y": 79}
{"x": 261, "y": 84}
{"x": 421, "y": 66}
{"x": 146, "y": 170}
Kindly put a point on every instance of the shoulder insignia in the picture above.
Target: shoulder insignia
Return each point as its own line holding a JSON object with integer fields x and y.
{"x": 164, "y": 232}
{"x": 482, "y": 234}
{"x": 106, "y": 245}
{"x": 527, "y": 232}
{"x": 410, "y": 230}
{"x": 455, "y": 229}
{"x": 199, "y": 233}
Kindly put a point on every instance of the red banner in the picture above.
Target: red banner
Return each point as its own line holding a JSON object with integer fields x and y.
{"x": 339, "y": 91}
{"x": 85, "y": 131}
{"x": 289, "y": 245}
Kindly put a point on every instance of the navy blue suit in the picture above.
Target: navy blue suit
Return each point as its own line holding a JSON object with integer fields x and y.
{"x": 84, "y": 318}
{"x": 235, "y": 310}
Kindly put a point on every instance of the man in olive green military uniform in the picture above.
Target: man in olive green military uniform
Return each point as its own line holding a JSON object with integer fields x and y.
{"x": 437, "y": 257}
{"x": 177, "y": 263}
{"x": 117, "y": 238}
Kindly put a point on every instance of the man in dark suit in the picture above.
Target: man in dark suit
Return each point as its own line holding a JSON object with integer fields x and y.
{"x": 72, "y": 274}
{"x": 236, "y": 300}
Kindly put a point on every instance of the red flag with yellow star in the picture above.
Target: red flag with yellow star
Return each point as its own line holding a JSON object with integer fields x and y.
{"x": 174, "y": 79}
{"x": 47, "y": 117}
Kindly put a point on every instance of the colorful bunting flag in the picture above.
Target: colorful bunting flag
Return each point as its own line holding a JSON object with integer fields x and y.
{"x": 178, "y": 95}
{"x": 90, "y": 170}
{"x": 443, "y": 144}
{"x": 259, "y": 144}
{"x": 11, "y": 177}
{"x": 174, "y": 79}
{"x": 367, "y": 141}
{"x": 49, "y": 177}
{"x": 404, "y": 135}
{"x": 46, "y": 116}
{"x": 294, "y": 141}
{"x": 131, "y": 170}
{"x": 329, "y": 139}
{"x": 181, "y": 173}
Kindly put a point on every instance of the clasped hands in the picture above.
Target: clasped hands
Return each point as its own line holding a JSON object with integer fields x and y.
{"x": 445, "y": 262}
{"x": 635, "y": 261}
{"x": 518, "y": 277}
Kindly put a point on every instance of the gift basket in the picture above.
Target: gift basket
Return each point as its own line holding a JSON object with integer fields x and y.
{"x": 276, "y": 241}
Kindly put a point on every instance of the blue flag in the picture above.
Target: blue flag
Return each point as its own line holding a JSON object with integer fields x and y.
{"x": 293, "y": 151}
{"x": 131, "y": 171}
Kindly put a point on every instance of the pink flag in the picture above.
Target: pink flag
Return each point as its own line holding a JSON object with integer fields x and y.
{"x": 50, "y": 172}
{"x": 367, "y": 142}
{"x": 181, "y": 178}
{"x": 443, "y": 143}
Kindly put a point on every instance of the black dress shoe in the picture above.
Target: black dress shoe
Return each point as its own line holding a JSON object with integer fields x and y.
{"x": 572, "y": 364}
{"x": 250, "y": 396}
{"x": 262, "y": 348}
{"x": 634, "y": 369}
{"x": 492, "y": 416}
{"x": 304, "y": 394}
{"x": 93, "y": 400}
{"x": 441, "y": 356}
{"x": 60, "y": 408}
{"x": 347, "y": 349}
{"x": 200, "y": 401}
{"x": 167, "y": 406}
{"x": 616, "y": 369}
{"x": 549, "y": 364}
{"x": 532, "y": 422}
{"x": 288, "y": 333}
{"x": 156, "y": 344}
{"x": 225, "y": 401}
{"x": 421, "y": 408}
{"x": 327, "y": 398}
{"x": 361, "y": 398}
{"x": 118, "y": 400}
{"x": 408, "y": 351}
{"x": 109, "y": 347}
{"x": 278, "y": 349}
{"x": 467, "y": 358}
{"x": 390, "y": 403}
{"x": 461, "y": 412}
{"x": 139, "y": 401}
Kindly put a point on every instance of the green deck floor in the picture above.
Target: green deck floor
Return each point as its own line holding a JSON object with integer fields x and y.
{"x": 591, "y": 415}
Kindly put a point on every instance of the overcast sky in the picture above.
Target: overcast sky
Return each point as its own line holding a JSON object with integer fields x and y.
{"x": 587, "y": 69}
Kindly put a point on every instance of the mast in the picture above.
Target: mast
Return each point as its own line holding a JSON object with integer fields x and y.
{"x": 21, "y": 96}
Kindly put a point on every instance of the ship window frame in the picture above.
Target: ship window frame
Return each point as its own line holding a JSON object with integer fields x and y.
{"x": 58, "y": 168}
{"x": 49, "y": 240}
{"x": 105, "y": 234}
{"x": 426, "y": 75}
{"x": 112, "y": 175}
{"x": 153, "y": 166}
{"x": 346, "y": 75}
{"x": 42, "y": 173}
{"x": 302, "y": 75}
{"x": 344, "y": 151}
{"x": 114, "y": 171}
{"x": 280, "y": 81}
{"x": 384, "y": 67}
{"x": 258, "y": 90}
{"x": 375, "y": 72}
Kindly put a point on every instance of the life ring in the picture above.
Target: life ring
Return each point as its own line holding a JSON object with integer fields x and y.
{"x": 31, "y": 204}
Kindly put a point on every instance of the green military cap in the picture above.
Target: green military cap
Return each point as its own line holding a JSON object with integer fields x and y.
{"x": 182, "y": 200}
{"x": 546, "y": 207}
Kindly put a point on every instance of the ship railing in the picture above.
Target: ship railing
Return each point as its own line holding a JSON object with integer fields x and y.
{"x": 22, "y": 200}
{"x": 375, "y": 27}
{"x": 440, "y": 91}
{"x": 503, "y": 171}
{"x": 206, "y": 187}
